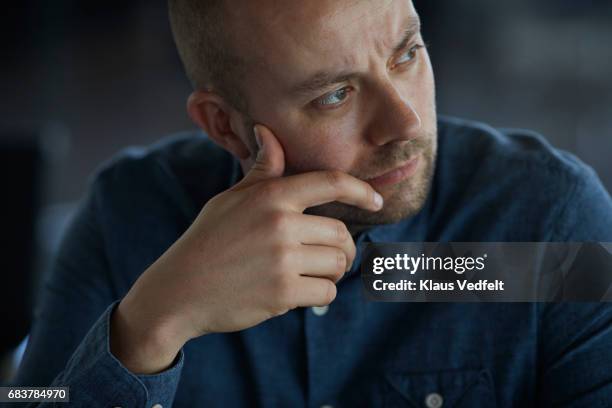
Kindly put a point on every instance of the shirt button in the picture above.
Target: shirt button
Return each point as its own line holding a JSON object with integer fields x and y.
{"x": 434, "y": 400}
{"x": 327, "y": 406}
{"x": 157, "y": 406}
{"x": 320, "y": 311}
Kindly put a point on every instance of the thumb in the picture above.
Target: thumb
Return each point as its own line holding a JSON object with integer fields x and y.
{"x": 270, "y": 161}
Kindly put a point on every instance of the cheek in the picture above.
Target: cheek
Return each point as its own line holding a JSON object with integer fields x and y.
{"x": 322, "y": 147}
{"x": 418, "y": 91}
{"x": 426, "y": 88}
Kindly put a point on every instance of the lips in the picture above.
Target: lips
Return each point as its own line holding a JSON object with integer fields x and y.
{"x": 396, "y": 175}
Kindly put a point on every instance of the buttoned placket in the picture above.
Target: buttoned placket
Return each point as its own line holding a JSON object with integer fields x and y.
{"x": 322, "y": 323}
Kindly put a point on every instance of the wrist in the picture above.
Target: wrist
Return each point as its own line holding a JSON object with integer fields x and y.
{"x": 142, "y": 343}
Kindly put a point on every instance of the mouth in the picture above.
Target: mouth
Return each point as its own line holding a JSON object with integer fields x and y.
{"x": 396, "y": 175}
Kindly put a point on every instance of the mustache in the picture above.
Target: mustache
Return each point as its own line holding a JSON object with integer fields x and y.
{"x": 395, "y": 155}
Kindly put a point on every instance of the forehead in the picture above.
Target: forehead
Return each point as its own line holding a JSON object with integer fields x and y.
{"x": 290, "y": 39}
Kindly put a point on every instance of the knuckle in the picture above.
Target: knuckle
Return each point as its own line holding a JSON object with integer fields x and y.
{"x": 337, "y": 276}
{"x": 331, "y": 292}
{"x": 285, "y": 291}
{"x": 341, "y": 231}
{"x": 341, "y": 261}
{"x": 278, "y": 221}
{"x": 352, "y": 250}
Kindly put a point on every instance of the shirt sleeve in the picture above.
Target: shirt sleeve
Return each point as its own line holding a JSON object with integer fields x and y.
{"x": 97, "y": 378}
{"x": 575, "y": 343}
{"x": 69, "y": 340}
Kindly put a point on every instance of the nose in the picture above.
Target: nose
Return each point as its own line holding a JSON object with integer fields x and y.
{"x": 395, "y": 118}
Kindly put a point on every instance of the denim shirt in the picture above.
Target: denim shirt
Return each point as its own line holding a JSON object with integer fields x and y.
{"x": 490, "y": 185}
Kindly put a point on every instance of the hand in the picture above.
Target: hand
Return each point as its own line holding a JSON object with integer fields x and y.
{"x": 250, "y": 255}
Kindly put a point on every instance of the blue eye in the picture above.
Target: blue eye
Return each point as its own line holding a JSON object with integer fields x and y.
{"x": 409, "y": 55}
{"x": 333, "y": 98}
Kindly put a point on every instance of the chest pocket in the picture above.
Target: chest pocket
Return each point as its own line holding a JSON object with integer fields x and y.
{"x": 440, "y": 389}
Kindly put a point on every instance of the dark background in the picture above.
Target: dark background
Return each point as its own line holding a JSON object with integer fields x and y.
{"x": 93, "y": 77}
{"x": 80, "y": 80}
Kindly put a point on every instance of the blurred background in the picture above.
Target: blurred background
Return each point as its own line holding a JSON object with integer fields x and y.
{"x": 81, "y": 80}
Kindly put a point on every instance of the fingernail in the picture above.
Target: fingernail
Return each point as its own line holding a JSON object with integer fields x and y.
{"x": 378, "y": 200}
{"x": 257, "y": 136}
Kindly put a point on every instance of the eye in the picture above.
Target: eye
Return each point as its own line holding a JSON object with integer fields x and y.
{"x": 409, "y": 56}
{"x": 333, "y": 99}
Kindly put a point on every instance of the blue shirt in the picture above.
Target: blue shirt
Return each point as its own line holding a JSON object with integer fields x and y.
{"x": 489, "y": 185}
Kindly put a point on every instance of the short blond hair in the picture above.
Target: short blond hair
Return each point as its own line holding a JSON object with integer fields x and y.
{"x": 205, "y": 50}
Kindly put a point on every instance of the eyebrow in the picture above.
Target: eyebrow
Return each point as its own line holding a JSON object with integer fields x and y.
{"x": 413, "y": 28}
{"x": 323, "y": 79}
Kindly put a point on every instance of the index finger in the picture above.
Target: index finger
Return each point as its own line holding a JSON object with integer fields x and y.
{"x": 321, "y": 187}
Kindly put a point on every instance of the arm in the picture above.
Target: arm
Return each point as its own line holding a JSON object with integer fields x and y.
{"x": 576, "y": 338}
{"x": 69, "y": 342}
{"x": 242, "y": 261}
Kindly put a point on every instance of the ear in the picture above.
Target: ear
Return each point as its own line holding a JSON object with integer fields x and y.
{"x": 218, "y": 119}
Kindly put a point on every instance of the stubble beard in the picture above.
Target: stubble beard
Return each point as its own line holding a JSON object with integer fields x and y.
{"x": 405, "y": 199}
{"x": 402, "y": 200}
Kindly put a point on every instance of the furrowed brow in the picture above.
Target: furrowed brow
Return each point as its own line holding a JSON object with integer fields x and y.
{"x": 321, "y": 80}
{"x": 324, "y": 79}
{"x": 413, "y": 28}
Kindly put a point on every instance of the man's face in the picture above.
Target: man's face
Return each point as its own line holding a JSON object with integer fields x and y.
{"x": 345, "y": 85}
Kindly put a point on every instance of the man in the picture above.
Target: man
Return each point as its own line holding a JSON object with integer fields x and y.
{"x": 183, "y": 282}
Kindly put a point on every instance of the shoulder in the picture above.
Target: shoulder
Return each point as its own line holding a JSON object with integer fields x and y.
{"x": 142, "y": 199}
{"x": 491, "y": 148}
{"x": 185, "y": 168}
{"x": 176, "y": 153}
{"x": 511, "y": 176}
